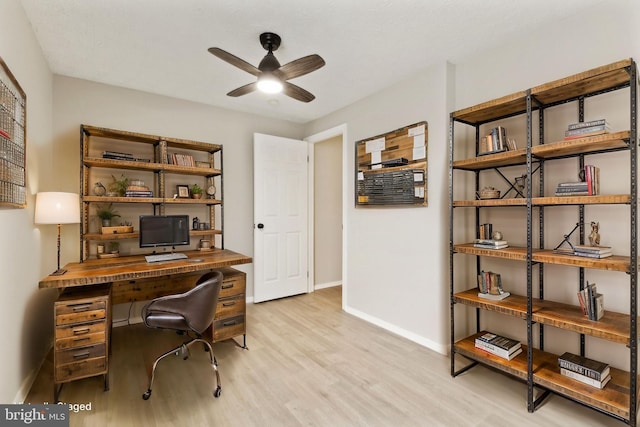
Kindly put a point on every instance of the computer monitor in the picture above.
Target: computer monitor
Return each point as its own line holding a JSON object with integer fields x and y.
{"x": 164, "y": 230}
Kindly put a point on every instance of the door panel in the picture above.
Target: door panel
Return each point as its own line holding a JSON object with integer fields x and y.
{"x": 280, "y": 203}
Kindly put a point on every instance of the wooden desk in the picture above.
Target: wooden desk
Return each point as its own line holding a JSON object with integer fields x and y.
{"x": 92, "y": 272}
{"x": 84, "y": 317}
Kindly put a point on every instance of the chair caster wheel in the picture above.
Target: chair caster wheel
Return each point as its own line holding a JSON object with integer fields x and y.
{"x": 217, "y": 392}
{"x": 146, "y": 395}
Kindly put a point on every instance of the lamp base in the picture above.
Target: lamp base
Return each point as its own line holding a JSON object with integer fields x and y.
{"x": 58, "y": 272}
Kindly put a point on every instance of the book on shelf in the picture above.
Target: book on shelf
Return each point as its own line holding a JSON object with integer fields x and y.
{"x": 590, "y": 123}
{"x": 584, "y": 366}
{"x": 584, "y": 379}
{"x": 587, "y": 130}
{"x": 490, "y": 242}
{"x": 490, "y": 283}
{"x": 591, "y": 302}
{"x": 592, "y": 249}
{"x": 493, "y": 297}
{"x": 496, "y": 141}
{"x": 485, "y": 231}
{"x": 487, "y": 246}
{"x": 498, "y": 345}
{"x": 595, "y": 255}
{"x": 138, "y": 194}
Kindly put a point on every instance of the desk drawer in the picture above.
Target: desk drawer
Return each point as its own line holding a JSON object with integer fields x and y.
{"x": 228, "y": 328}
{"x": 81, "y": 317}
{"x": 80, "y": 353}
{"x": 80, "y": 341}
{"x": 74, "y": 307}
{"x": 82, "y": 369}
{"x": 77, "y": 330}
{"x": 234, "y": 284}
{"x": 229, "y": 307}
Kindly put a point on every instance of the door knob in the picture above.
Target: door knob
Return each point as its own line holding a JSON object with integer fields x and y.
{"x": 261, "y": 226}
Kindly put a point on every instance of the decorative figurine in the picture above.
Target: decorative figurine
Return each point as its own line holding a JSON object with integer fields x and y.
{"x": 594, "y": 237}
{"x": 99, "y": 189}
{"x": 196, "y": 223}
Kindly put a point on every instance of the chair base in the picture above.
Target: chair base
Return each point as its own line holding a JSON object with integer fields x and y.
{"x": 184, "y": 349}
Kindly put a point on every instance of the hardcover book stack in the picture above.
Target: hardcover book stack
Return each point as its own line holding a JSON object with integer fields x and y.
{"x": 490, "y": 286}
{"x": 587, "y": 371}
{"x": 591, "y": 302}
{"x": 589, "y": 187}
{"x": 584, "y": 129}
{"x": 490, "y": 244}
{"x": 497, "y": 345}
{"x": 180, "y": 159}
{"x": 592, "y": 251}
{"x": 122, "y": 156}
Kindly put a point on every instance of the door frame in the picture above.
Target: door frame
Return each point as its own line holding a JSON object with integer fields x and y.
{"x": 340, "y": 130}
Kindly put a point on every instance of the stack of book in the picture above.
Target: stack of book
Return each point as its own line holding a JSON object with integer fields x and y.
{"x": 584, "y": 129}
{"x": 485, "y": 231}
{"x": 591, "y": 302}
{"x": 180, "y": 159}
{"x": 497, "y": 345}
{"x": 589, "y": 187}
{"x": 115, "y": 155}
{"x": 490, "y": 244}
{"x": 490, "y": 286}
{"x": 587, "y": 371}
{"x": 592, "y": 251}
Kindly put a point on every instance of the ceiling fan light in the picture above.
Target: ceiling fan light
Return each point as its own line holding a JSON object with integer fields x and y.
{"x": 269, "y": 84}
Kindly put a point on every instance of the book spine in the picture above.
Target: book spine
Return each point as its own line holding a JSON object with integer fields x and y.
{"x": 582, "y": 378}
{"x": 586, "y": 129}
{"x": 492, "y": 349}
{"x": 582, "y": 370}
{"x": 599, "y": 122}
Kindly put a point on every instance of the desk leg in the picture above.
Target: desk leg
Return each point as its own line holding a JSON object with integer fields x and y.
{"x": 244, "y": 342}
{"x": 56, "y": 392}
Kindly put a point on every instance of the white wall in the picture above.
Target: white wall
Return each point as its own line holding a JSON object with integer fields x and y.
{"x": 27, "y": 252}
{"x": 327, "y": 157}
{"x": 397, "y": 257}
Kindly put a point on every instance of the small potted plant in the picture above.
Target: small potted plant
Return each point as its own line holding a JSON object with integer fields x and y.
{"x": 106, "y": 213}
{"x": 118, "y": 187}
{"x": 196, "y": 191}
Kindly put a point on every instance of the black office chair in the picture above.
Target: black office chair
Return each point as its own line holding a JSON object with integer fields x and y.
{"x": 191, "y": 312}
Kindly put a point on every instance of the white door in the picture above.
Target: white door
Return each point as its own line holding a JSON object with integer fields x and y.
{"x": 280, "y": 173}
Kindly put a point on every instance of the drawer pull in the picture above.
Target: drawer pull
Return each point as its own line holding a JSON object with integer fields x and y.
{"x": 81, "y": 331}
{"x": 80, "y": 307}
{"x": 228, "y": 304}
{"x": 230, "y": 323}
{"x": 229, "y": 286}
{"x": 82, "y": 355}
{"x": 81, "y": 339}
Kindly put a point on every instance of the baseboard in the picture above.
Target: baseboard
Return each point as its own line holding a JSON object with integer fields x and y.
{"x": 23, "y": 392}
{"x": 411, "y": 336}
{"x": 327, "y": 285}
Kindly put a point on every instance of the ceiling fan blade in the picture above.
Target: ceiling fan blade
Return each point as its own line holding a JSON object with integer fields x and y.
{"x": 299, "y": 67}
{"x": 296, "y": 92}
{"x": 243, "y": 90}
{"x": 234, "y": 60}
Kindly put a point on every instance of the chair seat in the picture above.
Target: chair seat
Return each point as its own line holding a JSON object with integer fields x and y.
{"x": 166, "y": 321}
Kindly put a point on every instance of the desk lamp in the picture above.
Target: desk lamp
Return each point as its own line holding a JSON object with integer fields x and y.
{"x": 57, "y": 208}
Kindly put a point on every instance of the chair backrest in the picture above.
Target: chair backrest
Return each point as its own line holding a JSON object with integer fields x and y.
{"x": 203, "y": 300}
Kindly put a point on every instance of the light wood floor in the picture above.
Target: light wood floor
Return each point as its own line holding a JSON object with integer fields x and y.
{"x": 310, "y": 364}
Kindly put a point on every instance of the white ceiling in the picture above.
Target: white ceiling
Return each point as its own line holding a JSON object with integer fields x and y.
{"x": 160, "y": 46}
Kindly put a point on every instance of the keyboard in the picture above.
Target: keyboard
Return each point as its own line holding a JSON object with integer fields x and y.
{"x": 165, "y": 257}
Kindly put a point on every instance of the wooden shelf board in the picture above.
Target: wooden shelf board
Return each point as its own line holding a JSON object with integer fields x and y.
{"x": 188, "y": 170}
{"x": 105, "y": 199}
{"x": 613, "y": 398}
{"x": 192, "y": 145}
{"x": 512, "y": 253}
{"x": 597, "y": 79}
{"x": 507, "y": 105}
{"x": 121, "y": 164}
{"x": 204, "y": 232}
{"x": 506, "y": 158}
{"x": 612, "y": 263}
{"x": 490, "y": 202}
{"x": 602, "y": 199}
{"x": 202, "y": 201}
{"x": 116, "y": 236}
{"x": 612, "y": 327}
{"x": 590, "y": 144}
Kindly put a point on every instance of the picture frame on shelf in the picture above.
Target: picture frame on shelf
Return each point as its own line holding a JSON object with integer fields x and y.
{"x": 182, "y": 191}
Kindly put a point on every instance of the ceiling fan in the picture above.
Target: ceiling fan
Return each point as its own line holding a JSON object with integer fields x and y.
{"x": 272, "y": 77}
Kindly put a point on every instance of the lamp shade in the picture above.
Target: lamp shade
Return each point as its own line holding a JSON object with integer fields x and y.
{"x": 57, "y": 208}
